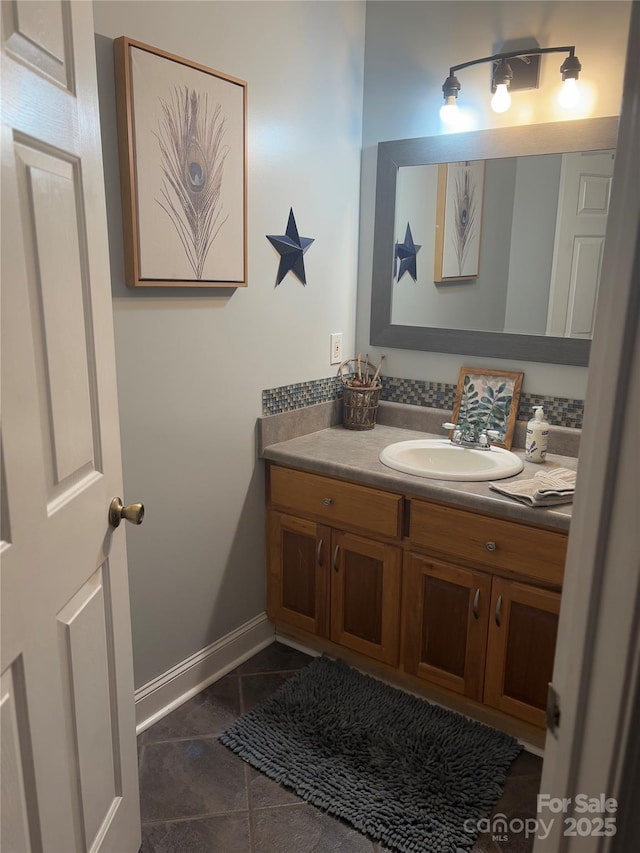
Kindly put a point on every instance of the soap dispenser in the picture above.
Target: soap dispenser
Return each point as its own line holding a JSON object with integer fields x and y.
{"x": 535, "y": 448}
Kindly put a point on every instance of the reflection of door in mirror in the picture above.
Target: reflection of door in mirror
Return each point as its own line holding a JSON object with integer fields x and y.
{"x": 583, "y": 206}
{"x": 520, "y": 256}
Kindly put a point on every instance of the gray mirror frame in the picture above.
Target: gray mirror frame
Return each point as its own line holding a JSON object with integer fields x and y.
{"x": 551, "y": 138}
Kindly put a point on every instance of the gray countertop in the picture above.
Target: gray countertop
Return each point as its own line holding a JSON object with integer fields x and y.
{"x": 353, "y": 455}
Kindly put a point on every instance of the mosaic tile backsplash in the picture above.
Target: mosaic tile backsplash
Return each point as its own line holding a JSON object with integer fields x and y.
{"x": 559, "y": 411}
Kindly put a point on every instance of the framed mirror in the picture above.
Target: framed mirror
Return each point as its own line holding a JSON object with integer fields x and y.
{"x": 428, "y": 307}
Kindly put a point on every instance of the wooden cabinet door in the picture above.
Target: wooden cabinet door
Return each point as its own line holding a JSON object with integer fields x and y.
{"x": 298, "y": 580}
{"x": 365, "y": 596}
{"x": 446, "y": 612}
{"x": 521, "y": 647}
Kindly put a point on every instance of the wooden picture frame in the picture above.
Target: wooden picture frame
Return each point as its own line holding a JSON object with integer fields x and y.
{"x": 183, "y": 170}
{"x": 459, "y": 201}
{"x": 489, "y": 398}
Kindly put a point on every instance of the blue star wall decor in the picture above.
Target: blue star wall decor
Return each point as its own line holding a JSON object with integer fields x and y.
{"x": 291, "y": 248}
{"x": 406, "y": 256}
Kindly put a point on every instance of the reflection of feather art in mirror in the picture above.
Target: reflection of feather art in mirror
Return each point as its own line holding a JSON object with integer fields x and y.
{"x": 464, "y": 216}
{"x": 458, "y": 220}
{"x": 193, "y": 154}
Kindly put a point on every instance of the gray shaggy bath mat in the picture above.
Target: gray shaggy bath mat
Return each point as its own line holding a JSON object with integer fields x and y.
{"x": 402, "y": 771}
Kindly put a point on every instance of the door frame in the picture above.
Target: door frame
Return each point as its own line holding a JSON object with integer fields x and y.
{"x": 597, "y": 744}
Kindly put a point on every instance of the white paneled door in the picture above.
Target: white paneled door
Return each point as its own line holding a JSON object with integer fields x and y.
{"x": 69, "y": 770}
{"x": 583, "y": 207}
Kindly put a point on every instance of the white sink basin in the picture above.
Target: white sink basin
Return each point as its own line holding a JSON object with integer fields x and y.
{"x": 438, "y": 459}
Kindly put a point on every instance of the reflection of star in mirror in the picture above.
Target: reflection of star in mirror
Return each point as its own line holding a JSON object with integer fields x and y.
{"x": 291, "y": 248}
{"x": 406, "y": 256}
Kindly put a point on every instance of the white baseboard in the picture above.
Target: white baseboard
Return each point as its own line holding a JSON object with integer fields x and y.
{"x": 294, "y": 644}
{"x": 168, "y": 691}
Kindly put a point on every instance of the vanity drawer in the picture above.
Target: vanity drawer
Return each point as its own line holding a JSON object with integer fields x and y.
{"x": 492, "y": 542}
{"x": 339, "y": 504}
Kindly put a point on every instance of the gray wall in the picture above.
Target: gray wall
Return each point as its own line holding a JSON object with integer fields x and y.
{"x": 409, "y": 49}
{"x": 192, "y": 364}
{"x": 532, "y": 239}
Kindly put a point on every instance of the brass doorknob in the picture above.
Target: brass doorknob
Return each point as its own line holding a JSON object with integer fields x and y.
{"x": 132, "y": 512}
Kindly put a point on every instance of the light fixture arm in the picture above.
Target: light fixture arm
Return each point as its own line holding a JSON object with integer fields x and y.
{"x": 513, "y": 54}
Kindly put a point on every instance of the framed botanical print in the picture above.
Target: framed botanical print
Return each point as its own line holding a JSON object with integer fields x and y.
{"x": 489, "y": 399}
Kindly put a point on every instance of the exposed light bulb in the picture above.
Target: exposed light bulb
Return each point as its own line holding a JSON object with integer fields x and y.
{"x": 501, "y": 100}
{"x": 569, "y": 94}
{"x": 449, "y": 111}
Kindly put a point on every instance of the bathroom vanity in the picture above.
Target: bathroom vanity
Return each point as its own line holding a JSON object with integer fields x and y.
{"x": 447, "y": 588}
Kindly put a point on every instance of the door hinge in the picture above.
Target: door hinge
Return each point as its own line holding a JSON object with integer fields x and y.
{"x": 553, "y": 709}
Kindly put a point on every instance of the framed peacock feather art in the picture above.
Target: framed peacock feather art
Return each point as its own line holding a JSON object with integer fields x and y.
{"x": 458, "y": 220}
{"x": 183, "y": 170}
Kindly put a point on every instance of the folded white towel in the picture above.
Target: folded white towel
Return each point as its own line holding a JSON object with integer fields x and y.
{"x": 547, "y": 488}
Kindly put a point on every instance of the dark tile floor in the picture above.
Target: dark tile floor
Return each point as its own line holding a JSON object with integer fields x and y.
{"x": 198, "y": 797}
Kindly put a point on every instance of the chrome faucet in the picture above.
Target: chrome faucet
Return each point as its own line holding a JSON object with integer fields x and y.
{"x": 466, "y": 434}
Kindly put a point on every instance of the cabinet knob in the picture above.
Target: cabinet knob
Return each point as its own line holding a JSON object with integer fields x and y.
{"x": 319, "y": 553}
{"x": 490, "y": 546}
{"x": 327, "y": 501}
{"x": 498, "y": 612}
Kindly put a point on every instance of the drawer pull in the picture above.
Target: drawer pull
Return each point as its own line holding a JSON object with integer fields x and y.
{"x": 476, "y": 601}
{"x": 327, "y": 501}
{"x": 335, "y": 558}
{"x": 498, "y": 610}
{"x": 319, "y": 553}
{"x": 490, "y": 546}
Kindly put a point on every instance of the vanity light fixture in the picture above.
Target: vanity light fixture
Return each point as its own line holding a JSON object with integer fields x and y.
{"x": 509, "y": 74}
